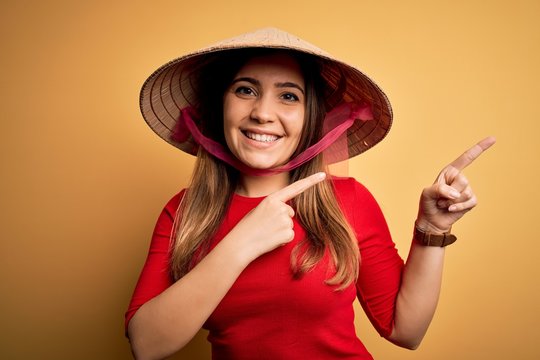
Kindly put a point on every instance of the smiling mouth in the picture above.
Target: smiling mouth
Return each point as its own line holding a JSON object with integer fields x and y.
{"x": 266, "y": 138}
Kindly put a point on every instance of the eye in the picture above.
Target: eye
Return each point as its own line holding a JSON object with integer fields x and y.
{"x": 290, "y": 97}
{"x": 244, "y": 90}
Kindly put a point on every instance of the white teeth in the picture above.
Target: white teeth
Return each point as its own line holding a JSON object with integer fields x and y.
{"x": 260, "y": 137}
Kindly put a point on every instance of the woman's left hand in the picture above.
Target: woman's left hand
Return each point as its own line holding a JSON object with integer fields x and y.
{"x": 450, "y": 196}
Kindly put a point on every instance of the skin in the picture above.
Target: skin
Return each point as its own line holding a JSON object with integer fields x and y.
{"x": 265, "y": 98}
{"x": 169, "y": 321}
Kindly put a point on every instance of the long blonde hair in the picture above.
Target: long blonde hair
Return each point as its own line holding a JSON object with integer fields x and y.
{"x": 213, "y": 183}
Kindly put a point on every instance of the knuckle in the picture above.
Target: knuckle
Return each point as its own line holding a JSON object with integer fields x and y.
{"x": 462, "y": 180}
{"x": 469, "y": 156}
{"x": 434, "y": 189}
{"x": 285, "y": 222}
{"x": 290, "y": 211}
{"x": 452, "y": 171}
{"x": 274, "y": 203}
{"x": 290, "y": 236}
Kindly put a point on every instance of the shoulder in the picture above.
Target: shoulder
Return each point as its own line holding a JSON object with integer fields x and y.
{"x": 355, "y": 200}
{"x": 168, "y": 214}
{"x": 347, "y": 187}
{"x": 172, "y": 205}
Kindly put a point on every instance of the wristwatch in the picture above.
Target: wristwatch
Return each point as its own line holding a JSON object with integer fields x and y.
{"x": 429, "y": 239}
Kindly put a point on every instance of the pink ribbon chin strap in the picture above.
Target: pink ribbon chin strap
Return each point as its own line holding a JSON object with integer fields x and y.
{"x": 334, "y": 141}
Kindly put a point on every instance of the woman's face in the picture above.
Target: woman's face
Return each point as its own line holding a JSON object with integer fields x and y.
{"x": 263, "y": 111}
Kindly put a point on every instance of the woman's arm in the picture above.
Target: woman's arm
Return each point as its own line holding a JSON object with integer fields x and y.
{"x": 418, "y": 295}
{"x": 166, "y": 323}
{"x": 441, "y": 205}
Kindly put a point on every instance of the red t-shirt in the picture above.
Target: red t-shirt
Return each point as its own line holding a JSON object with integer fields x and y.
{"x": 267, "y": 314}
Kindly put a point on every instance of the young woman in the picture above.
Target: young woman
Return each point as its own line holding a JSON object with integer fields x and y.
{"x": 264, "y": 249}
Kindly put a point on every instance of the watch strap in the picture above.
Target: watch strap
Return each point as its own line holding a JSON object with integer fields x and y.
{"x": 430, "y": 239}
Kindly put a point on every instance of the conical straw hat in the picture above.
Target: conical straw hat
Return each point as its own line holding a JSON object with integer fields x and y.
{"x": 167, "y": 91}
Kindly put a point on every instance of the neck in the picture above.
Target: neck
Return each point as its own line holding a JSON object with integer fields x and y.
{"x": 257, "y": 186}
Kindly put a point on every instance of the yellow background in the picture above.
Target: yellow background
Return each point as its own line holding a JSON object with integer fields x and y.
{"x": 83, "y": 178}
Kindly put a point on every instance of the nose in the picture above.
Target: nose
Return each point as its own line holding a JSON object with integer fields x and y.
{"x": 263, "y": 110}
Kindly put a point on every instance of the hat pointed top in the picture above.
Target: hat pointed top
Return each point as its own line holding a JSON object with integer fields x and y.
{"x": 269, "y": 37}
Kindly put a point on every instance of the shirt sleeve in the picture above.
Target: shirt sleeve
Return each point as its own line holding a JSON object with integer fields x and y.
{"x": 155, "y": 276}
{"x": 381, "y": 266}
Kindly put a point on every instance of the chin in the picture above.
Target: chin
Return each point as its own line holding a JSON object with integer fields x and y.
{"x": 262, "y": 164}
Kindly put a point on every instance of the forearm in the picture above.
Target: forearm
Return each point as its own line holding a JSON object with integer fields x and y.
{"x": 418, "y": 295}
{"x": 166, "y": 323}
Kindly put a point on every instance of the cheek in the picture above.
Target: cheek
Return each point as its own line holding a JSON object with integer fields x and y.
{"x": 296, "y": 124}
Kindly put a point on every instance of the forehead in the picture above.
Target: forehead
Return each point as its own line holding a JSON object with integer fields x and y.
{"x": 273, "y": 65}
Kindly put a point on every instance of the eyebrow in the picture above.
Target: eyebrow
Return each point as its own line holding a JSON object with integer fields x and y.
{"x": 256, "y": 82}
{"x": 288, "y": 85}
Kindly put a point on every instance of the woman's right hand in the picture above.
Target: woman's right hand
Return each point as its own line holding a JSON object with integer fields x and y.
{"x": 270, "y": 224}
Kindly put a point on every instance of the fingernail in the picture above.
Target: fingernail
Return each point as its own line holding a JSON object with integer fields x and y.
{"x": 321, "y": 175}
{"x": 454, "y": 194}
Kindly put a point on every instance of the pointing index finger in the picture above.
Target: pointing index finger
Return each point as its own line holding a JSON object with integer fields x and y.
{"x": 473, "y": 153}
{"x": 298, "y": 187}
